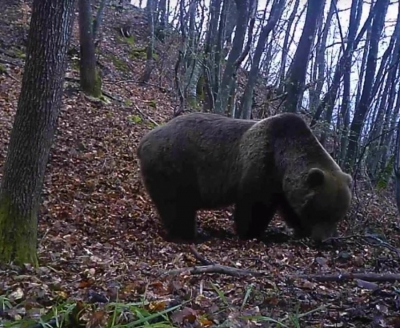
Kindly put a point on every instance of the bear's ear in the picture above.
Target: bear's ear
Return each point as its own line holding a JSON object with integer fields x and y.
{"x": 316, "y": 177}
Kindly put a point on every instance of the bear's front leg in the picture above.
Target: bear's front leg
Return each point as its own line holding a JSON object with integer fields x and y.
{"x": 242, "y": 216}
{"x": 261, "y": 215}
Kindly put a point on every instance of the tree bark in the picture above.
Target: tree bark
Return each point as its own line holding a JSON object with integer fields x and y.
{"x": 33, "y": 129}
{"x": 99, "y": 18}
{"x": 247, "y": 99}
{"x": 285, "y": 47}
{"x": 237, "y": 46}
{"x": 298, "y": 69}
{"x": 344, "y": 115}
{"x": 330, "y": 96}
{"x": 320, "y": 64}
{"x": 150, "y": 46}
{"x": 397, "y": 167}
{"x": 363, "y": 107}
{"x": 89, "y": 76}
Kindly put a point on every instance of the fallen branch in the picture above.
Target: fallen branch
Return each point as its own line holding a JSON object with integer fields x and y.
{"x": 72, "y": 79}
{"x": 5, "y": 61}
{"x": 375, "y": 277}
{"x": 109, "y": 95}
{"x": 10, "y": 76}
{"x": 7, "y": 53}
{"x": 145, "y": 116}
{"x": 216, "y": 268}
{"x": 198, "y": 257}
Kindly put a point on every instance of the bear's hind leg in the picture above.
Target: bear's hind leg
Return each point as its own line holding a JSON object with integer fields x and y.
{"x": 241, "y": 216}
{"x": 179, "y": 221}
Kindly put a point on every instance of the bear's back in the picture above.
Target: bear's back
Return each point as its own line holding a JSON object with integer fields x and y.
{"x": 198, "y": 151}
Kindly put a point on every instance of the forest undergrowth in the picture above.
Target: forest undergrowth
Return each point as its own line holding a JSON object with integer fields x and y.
{"x": 101, "y": 248}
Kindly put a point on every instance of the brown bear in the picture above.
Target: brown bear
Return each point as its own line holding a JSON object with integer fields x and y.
{"x": 207, "y": 161}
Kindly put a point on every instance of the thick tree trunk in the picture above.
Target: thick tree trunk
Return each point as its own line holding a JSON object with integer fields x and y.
{"x": 33, "y": 129}
{"x": 298, "y": 69}
{"x": 90, "y": 77}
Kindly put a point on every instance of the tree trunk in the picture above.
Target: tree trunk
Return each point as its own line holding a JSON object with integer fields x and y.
{"x": 162, "y": 19}
{"x": 150, "y": 46}
{"x": 298, "y": 69}
{"x": 363, "y": 107}
{"x": 397, "y": 167}
{"x": 33, "y": 129}
{"x": 285, "y": 47}
{"x": 320, "y": 65}
{"x": 247, "y": 99}
{"x": 98, "y": 19}
{"x": 344, "y": 62}
{"x": 344, "y": 115}
{"x": 89, "y": 75}
{"x": 237, "y": 46}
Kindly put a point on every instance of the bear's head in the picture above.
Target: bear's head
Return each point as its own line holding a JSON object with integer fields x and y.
{"x": 325, "y": 200}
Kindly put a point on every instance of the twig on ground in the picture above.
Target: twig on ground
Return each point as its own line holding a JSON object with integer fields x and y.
{"x": 198, "y": 257}
{"x": 109, "y": 95}
{"x": 10, "y": 76}
{"x": 376, "y": 277}
{"x": 72, "y": 79}
{"x": 216, "y": 268}
{"x": 7, "y": 53}
{"x": 145, "y": 116}
{"x": 5, "y": 61}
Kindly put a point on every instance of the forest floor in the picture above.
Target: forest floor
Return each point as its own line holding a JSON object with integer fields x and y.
{"x": 101, "y": 240}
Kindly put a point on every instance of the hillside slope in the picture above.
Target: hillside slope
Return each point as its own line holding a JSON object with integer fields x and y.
{"x": 99, "y": 231}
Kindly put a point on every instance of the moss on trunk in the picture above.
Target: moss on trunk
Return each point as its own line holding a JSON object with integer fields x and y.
{"x": 18, "y": 237}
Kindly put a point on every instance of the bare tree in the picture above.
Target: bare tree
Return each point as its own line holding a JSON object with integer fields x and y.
{"x": 319, "y": 69}
{"x": 345, "y": 61}
{"x": 247, "y": 99}
{"x": 89, "y": 75}
{"x": 363, "y": 107}
{"x": 377, "y": 156}
{"x": 397, "y": 166}
{"x": 297, "y": 73}
{"x": 33, "y": 129}
{"x": 228, "y": 78}
{"x": 285, "y": 47}
{"x": 343, "y": 122}
{"x": 150, "y": 8}
{"x": 99, "y": 17}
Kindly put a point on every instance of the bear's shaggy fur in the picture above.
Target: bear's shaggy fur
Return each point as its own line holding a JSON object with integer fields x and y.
{"x": 207, "y": 161}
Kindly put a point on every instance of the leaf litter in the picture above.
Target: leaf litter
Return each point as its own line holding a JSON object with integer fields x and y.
{"x": 100, "y": 240}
